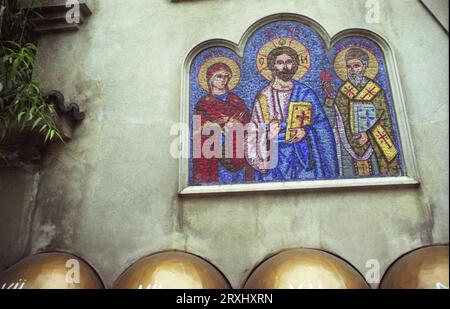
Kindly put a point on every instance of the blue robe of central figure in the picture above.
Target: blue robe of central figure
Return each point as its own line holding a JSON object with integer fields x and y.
{"x": 312, "y": 158}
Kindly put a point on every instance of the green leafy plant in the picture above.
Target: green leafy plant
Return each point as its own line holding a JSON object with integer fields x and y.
{"x": 22, "y": 103}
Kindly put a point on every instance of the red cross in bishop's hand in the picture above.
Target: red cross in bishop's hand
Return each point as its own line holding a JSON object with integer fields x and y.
{"x": 383, "y": 137}
{"x": 349, "y": 91}
{"x": 303, "y": 117}
{"x": 369, "y": 92}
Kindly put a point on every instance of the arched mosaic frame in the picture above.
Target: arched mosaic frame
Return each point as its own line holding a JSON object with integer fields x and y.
{"x": 409, "y": 175}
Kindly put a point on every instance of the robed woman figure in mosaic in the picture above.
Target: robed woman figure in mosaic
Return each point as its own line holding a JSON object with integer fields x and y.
{"x": 224, "y": 109}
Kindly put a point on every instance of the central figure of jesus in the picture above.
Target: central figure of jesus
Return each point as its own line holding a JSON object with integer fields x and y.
{"x": 295, "y": 122}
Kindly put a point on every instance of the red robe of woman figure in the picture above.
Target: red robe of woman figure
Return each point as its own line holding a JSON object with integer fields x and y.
{"x": 225, "y": 109}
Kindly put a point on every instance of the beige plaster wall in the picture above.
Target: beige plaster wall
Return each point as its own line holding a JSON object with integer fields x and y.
{"x": 110, "y": 195}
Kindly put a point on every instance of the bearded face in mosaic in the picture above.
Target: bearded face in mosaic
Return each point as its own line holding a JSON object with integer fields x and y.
{"x": 283, "y": 62}
{"x": 356, "y": 61}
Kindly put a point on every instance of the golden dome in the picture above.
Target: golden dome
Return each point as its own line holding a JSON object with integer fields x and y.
{"x": 305, "y": 269}
{"x": 53, "y": 270}
{"x": 172, "y": 270}
{"x": 424, "y": 268}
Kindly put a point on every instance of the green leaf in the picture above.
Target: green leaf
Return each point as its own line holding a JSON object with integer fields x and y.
{"x": 15, "y": 44}
{"x": 19, "y": 117}
{"x": 36, "y": 122}
{"x": 47, "y": 135}
{"x": 30, "y": 114}
{"x": 43, "y": 128}
{"x": 51, "y": 108}
{"x": 59, "y": 136}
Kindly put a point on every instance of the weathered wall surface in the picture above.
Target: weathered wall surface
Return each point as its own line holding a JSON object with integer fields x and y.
{"x": 17, "y": 192}
{"x": 110, "y": 195}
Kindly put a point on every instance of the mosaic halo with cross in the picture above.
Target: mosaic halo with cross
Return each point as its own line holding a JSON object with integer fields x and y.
{"x": 340, "y": 66}
{"x": 234, "y": 67}
{"x": 302, "y": 52}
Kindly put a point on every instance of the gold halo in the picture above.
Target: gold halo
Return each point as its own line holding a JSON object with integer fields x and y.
{"x": 302, "y": 52}
{"x": 340, "y": 66}
{"x": 235, "y": 72}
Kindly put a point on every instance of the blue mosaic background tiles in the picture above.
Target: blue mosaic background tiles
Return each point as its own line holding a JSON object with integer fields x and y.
{"x": 252, "y": 82}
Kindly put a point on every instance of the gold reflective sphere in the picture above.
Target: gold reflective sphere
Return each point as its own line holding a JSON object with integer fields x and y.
{"x": 171, "y": 270}
{"x": 55, "y": 270}
{"x": 424, "y": 268}
{"x": 305, "y": 269}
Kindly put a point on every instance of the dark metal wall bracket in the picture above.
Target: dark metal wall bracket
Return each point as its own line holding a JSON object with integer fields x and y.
{"x": 50, "y": 15}
{"x": 71, "y": 111}
{"x": 25, "y": 148}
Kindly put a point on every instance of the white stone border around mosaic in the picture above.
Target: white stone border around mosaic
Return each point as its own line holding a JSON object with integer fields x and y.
{"x": 301, "y": 185}
{"x": 409, "y": 161}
